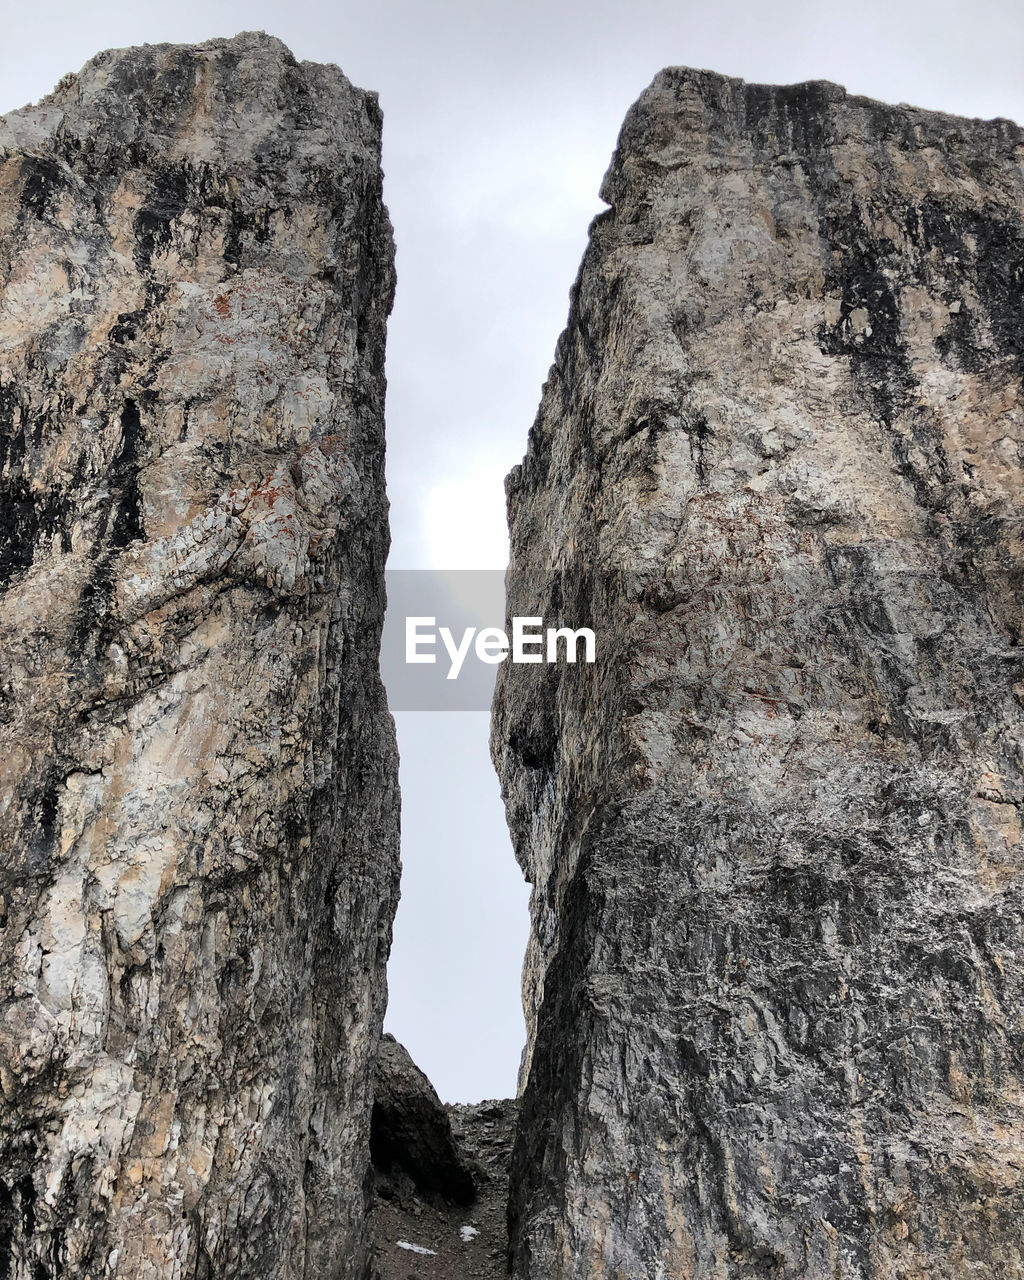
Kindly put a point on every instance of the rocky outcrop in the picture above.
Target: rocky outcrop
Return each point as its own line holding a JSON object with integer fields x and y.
{"x": 774, "y": 983}
{"x": 410, "y": 1132}
{"x": 421, "y": 1232}
{"x": 198, "y": 803}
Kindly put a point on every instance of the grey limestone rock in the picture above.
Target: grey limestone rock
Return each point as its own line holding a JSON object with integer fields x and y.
{"x": 198, "y": 802}
{"x": 775, "y": 981}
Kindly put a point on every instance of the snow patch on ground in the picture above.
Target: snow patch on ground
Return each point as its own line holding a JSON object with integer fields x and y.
{"x": 415, "y": 1248}
{"x": 467, "y": 1233}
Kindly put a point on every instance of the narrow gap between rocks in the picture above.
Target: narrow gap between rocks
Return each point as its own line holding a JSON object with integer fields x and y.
{"x": 440, "y": 1177}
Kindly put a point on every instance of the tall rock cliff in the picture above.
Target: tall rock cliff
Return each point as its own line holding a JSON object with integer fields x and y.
{"x": 775, "y": 983}
{"x": 198, "y": 808}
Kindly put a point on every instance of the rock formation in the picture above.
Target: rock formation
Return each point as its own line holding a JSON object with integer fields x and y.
{"x": 775, "y": 981}
{"x": 198, "y": 808}
{"x": 410, "y": 1132}
{"x": 430, "y": 1161}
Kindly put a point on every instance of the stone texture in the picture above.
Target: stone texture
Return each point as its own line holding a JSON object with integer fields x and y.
{"x": 774, "y": 983}
{"x": 467, "y": 1242}
{"x": 410, "y": 1132}
{"x": 198, "y": 804}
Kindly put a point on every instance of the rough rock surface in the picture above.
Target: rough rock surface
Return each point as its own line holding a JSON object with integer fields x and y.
{"x": 452, "y": 1242}
{"x": 775, "y": 984}
{"x": 198, "y": 801}
{"x": 410, "y": 1132}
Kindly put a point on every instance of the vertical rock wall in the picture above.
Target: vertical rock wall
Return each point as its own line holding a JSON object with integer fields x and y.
{"x": 198, "y": 807}
{"x": 775, "y": 983}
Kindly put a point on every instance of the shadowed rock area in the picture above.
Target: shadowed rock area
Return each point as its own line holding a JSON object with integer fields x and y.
{"x": 198, "y": 799}
{"x": 774, "y": 985}
{"x": 410, "y": 1132}
{"x": 440, "y": 1178}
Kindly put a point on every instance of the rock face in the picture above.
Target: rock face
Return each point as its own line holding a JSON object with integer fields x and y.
{"x": 198, "y": 803}
{"x": 775, "y": 985}
{"x": 410, "y": 1132}
{"x": 419, "y": 1233}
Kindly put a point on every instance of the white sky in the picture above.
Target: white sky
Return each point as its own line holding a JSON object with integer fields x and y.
{"x": 499, "y": 122}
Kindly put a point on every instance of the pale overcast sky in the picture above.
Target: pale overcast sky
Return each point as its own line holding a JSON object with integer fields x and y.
{"x": 499, "y": 122}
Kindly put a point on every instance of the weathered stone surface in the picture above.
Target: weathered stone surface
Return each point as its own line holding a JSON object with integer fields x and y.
{"x": 410, "y": 1132}
{"x": 198, "y": 801}
{"x": 775, "y": 984}
{"x": 467, "y": 1242}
